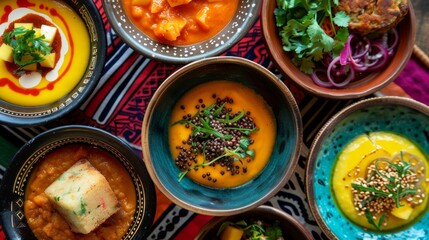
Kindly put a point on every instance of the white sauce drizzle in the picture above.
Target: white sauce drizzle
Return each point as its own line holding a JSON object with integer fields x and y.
{"x": 33, "y": 79}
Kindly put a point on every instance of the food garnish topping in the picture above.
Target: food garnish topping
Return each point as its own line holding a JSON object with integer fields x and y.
{"x": 219, "y": 135}
{"x": 24, "y": 46}
{"x": 392, "y": 186}
{"x": 252, "y": 230}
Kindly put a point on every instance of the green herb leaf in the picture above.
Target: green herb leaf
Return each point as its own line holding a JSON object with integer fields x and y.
{"x": 27, "y": 49}
{"x": 341, "y": 19}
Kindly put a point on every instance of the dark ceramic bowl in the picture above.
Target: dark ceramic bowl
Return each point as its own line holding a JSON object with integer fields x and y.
{"x": 214, "y": 201}
{"x": 291, "y": 228}
{"x": 243, "y": 20}
{"x": 362, "y": 87}
{"x": 15, "y": 180}
{"x": 403, "y": 116}
{"x": 15, "y": 115}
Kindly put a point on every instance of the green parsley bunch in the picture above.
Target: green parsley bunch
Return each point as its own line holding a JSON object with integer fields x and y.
{"x": 299, "y": 23}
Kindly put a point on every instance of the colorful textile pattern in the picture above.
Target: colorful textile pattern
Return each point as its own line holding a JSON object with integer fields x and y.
{"x": 128, "y": 82}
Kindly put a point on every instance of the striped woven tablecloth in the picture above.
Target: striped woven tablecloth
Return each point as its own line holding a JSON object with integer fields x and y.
{"x": 127, "y": 85}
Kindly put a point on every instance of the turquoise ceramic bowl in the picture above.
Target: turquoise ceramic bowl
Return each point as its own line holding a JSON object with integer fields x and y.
{"x": 211, "y": 201}
{"x": 404, "y": 116}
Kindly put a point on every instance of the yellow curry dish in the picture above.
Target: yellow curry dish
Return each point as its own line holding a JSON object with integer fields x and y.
{"x": 221, "y": 134}
{"x": 381, "y": 181}
{"x": 44, "y": 51}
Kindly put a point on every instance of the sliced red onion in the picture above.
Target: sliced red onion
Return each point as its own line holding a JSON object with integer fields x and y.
{"x": 350, "y": 74}
{"x": 318, "y": 81}
{"x": 381, "y": 57}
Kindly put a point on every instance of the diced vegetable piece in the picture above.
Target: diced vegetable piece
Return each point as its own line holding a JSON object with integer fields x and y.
{"x": 231, "y": 233}
{"x": 6, "y": 53}
{"x": 137, "y": 11}
{"x": 157, "y": 6}
{"x": 140, "y": 2}
{"x": 170, "y": 29}
{"x": 30, "y": 67}
{"x": 201, "y": 18}
{"x": 403, "y": 212}
{"x": 174, "y": 3}
{"x": 37, "y": 32}
{"x": 49, "y": 61}
{"x": 49, "y": 33}
{"x": 215, "y": 0}
{"x": 26, "y": 26}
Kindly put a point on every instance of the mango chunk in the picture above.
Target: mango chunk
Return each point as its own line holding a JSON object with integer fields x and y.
{"x": 49, "y": 61}
{"x": 37, "y": 32}
{"x": 26, "y": 26}
{"x": 31, "y": 67}
{"x": 174, "y": 3}
{"x": 201, "y": 18}
{"x": 170, "y": 29}
{"x": 403, "y": 212}
{"x": 6, "y": 53}
{"x": 140, "y": 2}
{"x": 231, "y": 233}
{"x": 49, "y": 33}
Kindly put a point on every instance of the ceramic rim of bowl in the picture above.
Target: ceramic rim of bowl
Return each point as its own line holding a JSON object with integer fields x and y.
{"x": 168, "y": 82}
{"x": 28, "y": 156}
{"x": 20, "y": 116}
{"x": 278, "y": 56}
{"x": 235, "y": 30}
{"x": 325, "y": 130}
{"x": 263, "y": 209}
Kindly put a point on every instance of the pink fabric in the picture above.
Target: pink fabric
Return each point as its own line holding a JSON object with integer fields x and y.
{"x": 414, "y": 80}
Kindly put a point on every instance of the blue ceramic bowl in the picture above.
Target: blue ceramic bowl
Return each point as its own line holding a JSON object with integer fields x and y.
{"x": 211, "y": 201}
{"x": 15, "y": 181}
{"x": 404, "y": 116}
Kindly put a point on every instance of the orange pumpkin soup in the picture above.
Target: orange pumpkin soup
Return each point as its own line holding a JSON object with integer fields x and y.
{"x": 47, "y": 223}
{"x": 180, "y": 22}
{"x": 222, "y": 134}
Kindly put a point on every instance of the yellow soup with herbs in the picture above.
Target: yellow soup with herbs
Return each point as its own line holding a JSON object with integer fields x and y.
{"x": 55, "y": 26}
{"x": 380, "y": 181}
{"x": 221, "y": 134}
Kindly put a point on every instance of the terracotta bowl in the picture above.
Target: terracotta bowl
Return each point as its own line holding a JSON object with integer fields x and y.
{"x": 17, "y": 115}
{"x": 362, "y": 87}
{"x": 243, "y": 20}
{"x": 291, "y": 228}
{"x": 15, "y": 181}
{"x": 403, "y": 116}
{"x": 221, "y": 201}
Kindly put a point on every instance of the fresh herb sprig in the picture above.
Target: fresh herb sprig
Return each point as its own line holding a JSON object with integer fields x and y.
{"x": 241, "y": 152}
{"x": 255, "y": 230}
{"x": 202, "y": 131}
{"x": 299, "y": 23}
{"x": 26, "y": 47}
{"x": 381, "y": 185}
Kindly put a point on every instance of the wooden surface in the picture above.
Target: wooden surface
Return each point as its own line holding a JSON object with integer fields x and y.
{"x": 421, "y": 9}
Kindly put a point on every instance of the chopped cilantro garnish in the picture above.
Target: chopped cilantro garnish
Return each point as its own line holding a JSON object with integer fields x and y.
{"x": 27, "y": 48}
{"x": 300, "y": 29}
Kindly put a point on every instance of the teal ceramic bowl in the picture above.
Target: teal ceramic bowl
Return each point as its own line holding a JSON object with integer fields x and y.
{"x": 212, "y": 201}
{"x": 404, "y": 116}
